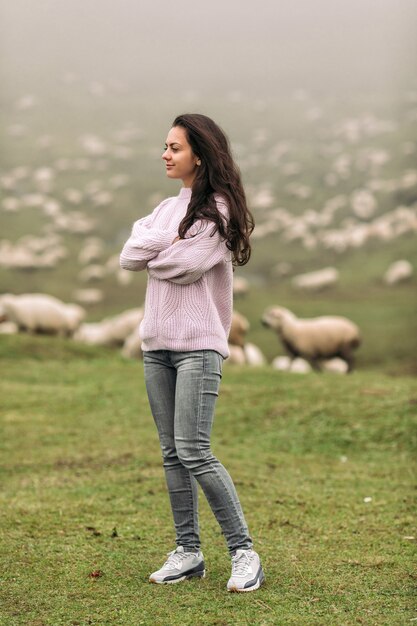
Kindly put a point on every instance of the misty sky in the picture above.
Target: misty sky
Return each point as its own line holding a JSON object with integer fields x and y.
{"x": 226, "y": 44}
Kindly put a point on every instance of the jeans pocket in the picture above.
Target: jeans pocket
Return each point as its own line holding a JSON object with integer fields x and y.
{"x": 219, "y": 362}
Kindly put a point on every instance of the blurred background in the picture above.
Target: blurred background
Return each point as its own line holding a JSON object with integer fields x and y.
{"x": 319, "y": 100}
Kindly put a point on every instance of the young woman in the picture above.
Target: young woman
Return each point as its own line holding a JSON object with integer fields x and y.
{"x": 188, "y": 246}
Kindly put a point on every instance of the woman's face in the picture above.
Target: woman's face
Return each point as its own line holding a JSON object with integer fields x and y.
{"x": 180, "y": 162}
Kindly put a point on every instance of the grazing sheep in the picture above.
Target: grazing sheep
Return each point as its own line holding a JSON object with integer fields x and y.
{"x": 240, "y": 286}
{"x": 295, "y": 366}
{"x": 132, "y": 346}
{"x": 253, "y": 355}
{"x": 42, "y": 313}
{"x": 112, "y": 331}
{"x": 237, "y": 355}
{"x": 335, "y": 366}
{"x": 92, "y": 251}
{"x": 123, "y": 277}
{"x": 88, "y": 296}
{"x": 93, "y": 334}
{"x": 300, "y": 366}
{"x": 363, "y": 203}
{"x": 91, "y": 273}
{"x": 74, "y": 222}
{"x": 281, "y": 363}
{"x": 238, "y": 330}
{"x": 249, "y": 354}
{"x": 316, "y": 338}
{"x": 125, "y": 324}
{"x": 398, "y": 272}
{"x": 314, "y": 281}
{"x": 281, "y": 269}
{"x": 8, "y": 328}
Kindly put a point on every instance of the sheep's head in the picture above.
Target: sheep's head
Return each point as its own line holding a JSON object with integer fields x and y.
{"x": 6, "y": 300}
{"x": 75, "y": 315}
{"x": 275, "y": 316}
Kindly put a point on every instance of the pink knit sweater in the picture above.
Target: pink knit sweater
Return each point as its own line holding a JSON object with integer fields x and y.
{"x": 189, "y": 300}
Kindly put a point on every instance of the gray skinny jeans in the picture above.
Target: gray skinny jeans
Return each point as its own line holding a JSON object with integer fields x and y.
{"x": 182, "y": 389}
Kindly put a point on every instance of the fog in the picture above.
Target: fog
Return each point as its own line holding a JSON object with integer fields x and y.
{"x": 264, "y": 48}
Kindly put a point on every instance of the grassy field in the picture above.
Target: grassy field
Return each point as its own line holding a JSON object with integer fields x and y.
{"x": 323, "y": 465}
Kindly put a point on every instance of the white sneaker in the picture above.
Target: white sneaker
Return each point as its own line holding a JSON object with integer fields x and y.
{"x": 247, "y": 572}
{"x": 179, "y": 566}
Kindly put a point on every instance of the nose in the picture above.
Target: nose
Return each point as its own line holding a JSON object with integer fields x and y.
{"x": 165, "y": 155}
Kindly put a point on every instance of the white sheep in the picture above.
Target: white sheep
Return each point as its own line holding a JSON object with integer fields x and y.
{"x": 92, "y": 251}
{"x": 295, "y": 366}
{"x": 335, "y": 366}
{"x": 111, "y": 331}
{"x": 281, "y": 363}
{"x": 314, "y": 339}
{"x": 253, "y": 355}
{"x": 236, "y": 356}
{"x": 125, "y": 324}
{"x": 132, "y": 346}
{"x": 88, "y": 296}
{"x": 363, "y": 203}
{"x": 42, "y": 313}
{"x": 314, "y": 281}
{"x": 8, "y": 328}
{"x": 397, "y": 272}
{"x": 300, "y": 366}
{"x": 238, "y": 330}
{"x": 91, "y": 273}
{"x": 240, "y": 286}
{"x": 123, "y": 277}
{"x": 93, "y": 334}
{"x": 249, "y": 354}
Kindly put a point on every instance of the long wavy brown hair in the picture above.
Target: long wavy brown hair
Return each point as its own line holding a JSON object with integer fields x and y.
{"x": 217, "y": 174}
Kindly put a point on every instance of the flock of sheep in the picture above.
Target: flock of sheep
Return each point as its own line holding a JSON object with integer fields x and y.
{"x": 311, "y": 229}
{"x": 320, "y": 343}
{"x": 397, "y": 272}
{"x": 343, "y": 221}
{"x": 66, "y": 195}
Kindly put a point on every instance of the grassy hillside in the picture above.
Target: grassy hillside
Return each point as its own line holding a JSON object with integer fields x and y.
{"x": 323, "y": 465}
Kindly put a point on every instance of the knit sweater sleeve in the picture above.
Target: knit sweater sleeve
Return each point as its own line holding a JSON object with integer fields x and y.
{"x": 144, "y": 243}
{"x": 186, "y": 260}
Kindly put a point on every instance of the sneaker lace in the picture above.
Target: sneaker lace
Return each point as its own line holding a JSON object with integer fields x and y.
{"x": 241, "y": 563}
{"x": 174, "y": 558}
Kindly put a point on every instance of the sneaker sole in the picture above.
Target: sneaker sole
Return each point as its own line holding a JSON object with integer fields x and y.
{"x": 254, "y": 587}
{"x": 201, "y": 574}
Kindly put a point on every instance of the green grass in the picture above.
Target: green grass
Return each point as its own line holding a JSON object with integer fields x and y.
{"x": 81, "y": 464}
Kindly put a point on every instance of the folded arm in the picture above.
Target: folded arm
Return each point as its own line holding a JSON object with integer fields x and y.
{"x": 144, "y": 243}
{"x": 186, "y": 260}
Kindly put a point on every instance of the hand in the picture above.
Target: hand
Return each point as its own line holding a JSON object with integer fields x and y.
{"x": 177, "y": 238}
